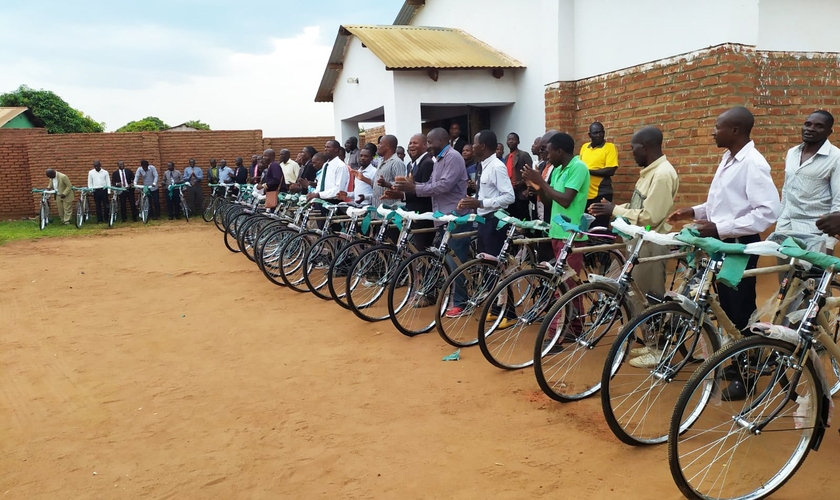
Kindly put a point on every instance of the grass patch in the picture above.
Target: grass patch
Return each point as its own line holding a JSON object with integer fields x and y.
{"x": 28, "y": 229}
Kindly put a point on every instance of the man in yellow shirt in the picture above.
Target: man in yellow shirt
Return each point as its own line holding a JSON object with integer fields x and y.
{"x": 602, "y": 159}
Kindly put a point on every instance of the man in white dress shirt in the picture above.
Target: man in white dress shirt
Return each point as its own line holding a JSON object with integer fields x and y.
{"x": 812, "y": 179}
{"x": 742, "y": 202}
{"x": 99, "y": 181}
{"x": 364, "y": 177}
{"x": 333, "y": 177}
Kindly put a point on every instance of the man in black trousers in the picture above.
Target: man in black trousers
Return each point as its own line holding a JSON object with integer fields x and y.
{"x": 124, "y": 177}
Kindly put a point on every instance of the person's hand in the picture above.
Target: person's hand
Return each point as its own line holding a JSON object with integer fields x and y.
{"x": 62, "y": 196}
{"x": 470, "y": 184}
{"x": 602, "y": 208}
{"x": 468, "y": 203}
{"x": 392, "y": 194}
{"x": 406, "y": 186}
{"x": 382, "y": 182}
{"x": 830, "y": 224}
{"x": 360, "y": 199}
{"x": 311, "y": 196}
{"x": 357, "y": 173}
{"x": 533, "y": 178}
{"x": 681, "y": 214}
{"x": 294, "y": 188}
{"x": 341, "y": 195}
{"x": 706, "y": 229}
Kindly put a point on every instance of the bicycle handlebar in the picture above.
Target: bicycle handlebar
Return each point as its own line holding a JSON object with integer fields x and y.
{"x": 48, "y": 191}
{"x": 82, "y": 189}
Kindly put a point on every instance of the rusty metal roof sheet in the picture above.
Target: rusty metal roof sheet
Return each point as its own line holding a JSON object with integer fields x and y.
{"x": 413, "y": 47}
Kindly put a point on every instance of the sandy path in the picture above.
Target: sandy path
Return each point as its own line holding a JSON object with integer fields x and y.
{"x": 173, "y": 369}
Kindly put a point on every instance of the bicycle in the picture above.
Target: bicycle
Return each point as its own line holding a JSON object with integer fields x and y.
{"x": 113, "y": 203}
{"x": 181, "y": 187}
{"x": 82, "y": 206}
{"x": 749, "y": 448}
{"x": 418, "y": 280}
{"x": 523, "y": 299}
{"x": 579, "y": 329}
{"x": 673, "y": 338}
{"x": 44, "y": 207}
{"x": 214, "y": 202}
{"x": 478, "y": 277}
{"x": 143, "y": 202}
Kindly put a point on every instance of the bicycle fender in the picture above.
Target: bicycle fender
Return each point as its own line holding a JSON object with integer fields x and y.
{"x": 597, "y": 278}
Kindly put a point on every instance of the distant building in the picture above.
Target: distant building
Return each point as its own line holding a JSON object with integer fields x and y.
{"x": 18, "y": 118}
{"x": 181, "y": 128}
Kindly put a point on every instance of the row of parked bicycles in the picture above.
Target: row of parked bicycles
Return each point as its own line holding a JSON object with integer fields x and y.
{"x": 665, "y": 367}
{"x": 82, "y": 212}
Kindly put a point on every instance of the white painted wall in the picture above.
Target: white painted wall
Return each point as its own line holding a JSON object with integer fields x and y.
{"x": 799, "y": 25}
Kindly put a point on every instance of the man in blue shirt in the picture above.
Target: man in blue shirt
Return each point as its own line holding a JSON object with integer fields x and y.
{"x": 193, "y": 176}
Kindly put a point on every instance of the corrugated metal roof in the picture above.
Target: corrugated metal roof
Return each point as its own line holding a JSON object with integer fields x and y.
{"x": 413, "y": 47}
{"x": 8, "y": 114}
{"x": 416, "y": 47}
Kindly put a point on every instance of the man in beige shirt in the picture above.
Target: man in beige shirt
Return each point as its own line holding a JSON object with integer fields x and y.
{"x": 652, "y": 201}
{"x": 291, "y": 169}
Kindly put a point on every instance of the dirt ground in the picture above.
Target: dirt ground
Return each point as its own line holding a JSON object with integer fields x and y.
{"x": 153, "y": 363}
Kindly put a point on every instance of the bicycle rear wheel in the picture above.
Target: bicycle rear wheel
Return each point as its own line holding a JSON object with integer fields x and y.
{"x": 720, "y": 454}
{"x": 413, "y": 293}
{"x": 647, "y": 367}
{"x": 474, "y": 281}
{"x": 574, "y": 339}
{"x": 367, "y": 281}
{"x": 43, "y": 215}
{"x": 608, "y": 263}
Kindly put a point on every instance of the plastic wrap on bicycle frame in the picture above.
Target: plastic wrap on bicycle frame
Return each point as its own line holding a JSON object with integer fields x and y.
{"x": 767, "y": 310}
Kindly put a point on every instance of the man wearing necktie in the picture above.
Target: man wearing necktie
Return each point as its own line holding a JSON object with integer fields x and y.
{"x": 124, "y": 177}
{"x": 333, "y": 176}
{"x": 420, "y": 169}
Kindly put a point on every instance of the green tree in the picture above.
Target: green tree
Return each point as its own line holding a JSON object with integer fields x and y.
{"x": 197, "y": 124}
{"x": 57, "y": 116}
{"x": 148, "y": 124}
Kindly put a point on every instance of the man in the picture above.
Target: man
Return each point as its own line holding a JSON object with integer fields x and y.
{"x": 515, "y": 161}
{"x": 535, "y": 151}
{"x": 420, "y": 170}
{"x": 602, "y": 159}
{"x": 401, "y": 154}
{"x": 291, "y": 169}
{"x": 342, "y": 154}
{"x": 742, "y": 202}
{"x": 812, "y": 179}
{"x": 500, "y": 150}
{"x": 364, "y": 178}
{"x": 650, "y": 205}
{"x": 213, "y": 172}
{"x": 495, "y": 192}
{"x": 193, "y": 175}
{"x": 389, "y": 168}
{"x": 149, "y": 175}
{"x": 63, "y": 194}
{"x": 240, "y": 173}
{"x": 456, "y": 142}
{"x": 99, "y": 181}
{"x": 307, "y": 171}
{"x": 274, "y": 178}
{"x": 225, "y": 173}
{"x": 351, "y": 145}
{"x": 124, "y": 177}
{"x": 446, "y": 187}
{"x": 471, "y": 166}
{"x": 173, "y": 196}
{"x": 333, "y": 177}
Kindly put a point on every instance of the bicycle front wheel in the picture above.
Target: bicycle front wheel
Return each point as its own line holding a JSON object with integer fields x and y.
{"x": 647, "y": 367}
{"x": 43, "y": 215}
{"x": 209, "y": 209}
{"x": 185, "y": 208}
{"x": 746, "y": 447}
{"x": 292, "y": 260}
{"x": 144, "y": 209}
{"x": 112, "y": 213}
{"x": 316, "y": 264}
{"x": 462, "y": 300}
{"x": 367, "y": 282}
{"x": 510, "y": 320}
{"x": 80, "y": 214}
{"x": 339, "y": 267}
{"x": 574, "y": 339}
{"x": 413, "y": 293}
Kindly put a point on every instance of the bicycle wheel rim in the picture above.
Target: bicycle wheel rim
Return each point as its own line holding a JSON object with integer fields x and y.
{"x": 477, "y": 278}
{"x": 80, "y": 215}
{"x": 413, "y": 293}
{"x": 43, "y": 216}
{"x": 317, "y": 264}
{"x": 292, "y": 261}
{"x": 738, "y": 469}
{"x": 638, "y": 394}
{"x": 574, "y": 341}
{"x": 144, "y": 209}
{"x": 339, "y": 268}
{"x": 367, "y": 282}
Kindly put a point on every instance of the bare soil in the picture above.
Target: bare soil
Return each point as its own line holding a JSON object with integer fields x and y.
{"x": 153, "y": 363}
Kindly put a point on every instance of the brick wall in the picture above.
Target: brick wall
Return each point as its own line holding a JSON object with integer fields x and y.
{"x": 371, "y": 135}
{"x": 33, "y": 151}
{"x": 296, "y": 144}
{"x": 683, "y": 96}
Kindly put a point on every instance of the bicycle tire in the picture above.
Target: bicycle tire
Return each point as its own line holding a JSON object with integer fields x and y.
{"x": 231, "y": 232}
{"x": 421, "y": 276}
{"x": 112, "y": 213}
{"x": 339, "y": 267}
{"x": 480, "y": 278}
{"x": 208, "y": 210}
{"x": 80, "y": 214}
{"x": 762, "y": 449}
{"x": 607, "y": 263}
{"x": 87, "y": 209}
{"x": 317, "y": 261}
{"x": 185, "y": 208}
{"x": 292, "y": 260}
{"x": 270, "y": 254}
{"x": 638, "y": 403}
{"x": 262, "y": 238}
{"x": 568, "y": 364}
{"x": 250, "y": 240}
{"x": 43, "y": 215}
{"x": 243, "y": 237}
{"x": 367, "y": 282}
{"x": 144, "y": 209}
{"x": 512, "y": 347}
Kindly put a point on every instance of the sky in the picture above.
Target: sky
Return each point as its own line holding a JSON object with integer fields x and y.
{"x": 241, "y": 64}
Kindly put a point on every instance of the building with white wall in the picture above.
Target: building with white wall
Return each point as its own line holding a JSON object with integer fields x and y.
{"x": 542, "y": 42}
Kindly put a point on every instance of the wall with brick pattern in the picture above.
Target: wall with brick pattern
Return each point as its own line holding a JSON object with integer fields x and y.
{"x": 684, "y": 95}
{"x": 31, "y": 152}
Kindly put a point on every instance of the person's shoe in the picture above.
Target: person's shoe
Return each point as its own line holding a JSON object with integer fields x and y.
{"x": 491, "y": 317}
{"x": 66, "y": 223}
{"x": 506, "y": 323}
{"x": 454, "y": 312}
{"x": 737, "y": 390}
{"x": 647, "y": 360}
{"x": 639, "y": 351}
